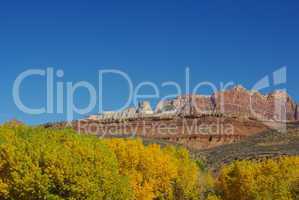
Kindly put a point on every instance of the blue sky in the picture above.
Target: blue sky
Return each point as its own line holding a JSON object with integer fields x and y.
{"x": 219, "y": 40}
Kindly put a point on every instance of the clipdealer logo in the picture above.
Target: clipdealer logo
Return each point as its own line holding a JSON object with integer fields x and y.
{"x": 65, "y": 92}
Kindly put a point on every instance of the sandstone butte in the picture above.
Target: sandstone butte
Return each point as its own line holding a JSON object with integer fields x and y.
{"x": 198, "y": 121}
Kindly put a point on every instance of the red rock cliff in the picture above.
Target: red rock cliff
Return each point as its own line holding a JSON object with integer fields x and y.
{"x": 237, "y": 102}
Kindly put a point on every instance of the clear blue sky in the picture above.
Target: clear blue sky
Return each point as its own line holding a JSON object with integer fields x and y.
{"x": 155, "y": 40}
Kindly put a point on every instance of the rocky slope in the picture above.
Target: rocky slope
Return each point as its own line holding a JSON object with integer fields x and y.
{"x": 270, "y": 143}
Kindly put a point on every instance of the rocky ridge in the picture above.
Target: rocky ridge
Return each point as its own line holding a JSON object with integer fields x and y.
{"x": 236, "y": 102}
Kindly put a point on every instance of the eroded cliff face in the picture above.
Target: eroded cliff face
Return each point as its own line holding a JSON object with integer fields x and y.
{"x": 282, "y": 103}
{"x": 187, "y": 104}
{"x": 241, "y": 102}
{"x": 198, "y": 121}
{"x": 236, "y": 102}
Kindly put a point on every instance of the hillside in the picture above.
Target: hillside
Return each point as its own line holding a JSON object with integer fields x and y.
{"x": 267, "y": 144}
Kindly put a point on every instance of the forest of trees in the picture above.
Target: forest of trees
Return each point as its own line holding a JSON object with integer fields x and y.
{"x": 38, "y": 163}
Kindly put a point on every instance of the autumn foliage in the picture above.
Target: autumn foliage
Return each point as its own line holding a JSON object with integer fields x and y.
{"x": 263, "y": 180}
{"x": 156, "y": 173}
{"x": 38, "y": 163}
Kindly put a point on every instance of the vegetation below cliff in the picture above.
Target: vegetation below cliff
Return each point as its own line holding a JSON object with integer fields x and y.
{"x": 38, "y": 163}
